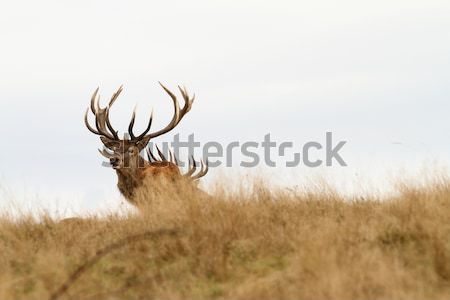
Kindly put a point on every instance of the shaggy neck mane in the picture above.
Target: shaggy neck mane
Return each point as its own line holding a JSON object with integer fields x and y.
{"x": 130, "y": 179}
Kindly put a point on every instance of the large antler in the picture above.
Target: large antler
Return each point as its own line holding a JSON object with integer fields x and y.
{"x": 104, "y": 127}
{"x": 177, "y": 116}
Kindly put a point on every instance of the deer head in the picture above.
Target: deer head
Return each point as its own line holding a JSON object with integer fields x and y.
{"x": 125, "y": 153}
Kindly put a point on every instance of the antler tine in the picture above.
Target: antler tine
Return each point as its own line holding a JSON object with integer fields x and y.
{"x": 202, "y": 172}
{"x": 175, "y": 118}
{"x": 161, "y": 155}
{"x": 94, "y": 100}
{"x": 115, "y": 95}
{"x": 150, "y": 155}
{"x": 105, "y": 153}
{"x": 187, "y": 101}
{"x": 170, "y": 156}
{"x": 149, "y": 125}
{"x": 130, "y": 127}
{"x": 175, "y": 159}
{"x": 115, "y": 133}
{"x": 86, "y": 121}
{"x": 192, "y": 167}
{"x": 108, "y": 123}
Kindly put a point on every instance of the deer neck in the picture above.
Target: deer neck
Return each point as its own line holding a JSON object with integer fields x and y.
{"x": 129, "y": 179}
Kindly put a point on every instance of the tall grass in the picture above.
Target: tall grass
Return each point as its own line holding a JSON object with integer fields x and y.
{"x": 253, "y": 243}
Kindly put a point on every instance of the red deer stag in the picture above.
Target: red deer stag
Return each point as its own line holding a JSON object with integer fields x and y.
{"x": 132, "y": 169}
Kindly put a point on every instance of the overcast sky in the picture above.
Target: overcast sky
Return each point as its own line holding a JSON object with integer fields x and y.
{"x": 375, "y": 73}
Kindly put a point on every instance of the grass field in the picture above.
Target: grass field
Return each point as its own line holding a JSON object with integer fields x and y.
{"x": 258, "y": 243}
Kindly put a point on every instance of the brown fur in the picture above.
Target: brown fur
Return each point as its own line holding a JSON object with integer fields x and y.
{"x": 130, "y": 179}
{"x": 134, "y": 172}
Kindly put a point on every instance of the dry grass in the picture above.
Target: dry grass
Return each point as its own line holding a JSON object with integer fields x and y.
{"x": 259, "y": 244}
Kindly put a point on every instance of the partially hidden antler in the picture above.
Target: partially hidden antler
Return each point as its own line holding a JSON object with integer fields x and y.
{"x": 190, "y": 174}
{"x": 193, "y": 167}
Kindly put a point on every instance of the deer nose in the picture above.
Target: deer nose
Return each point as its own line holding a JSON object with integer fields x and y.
{"x": 114, "y": 160}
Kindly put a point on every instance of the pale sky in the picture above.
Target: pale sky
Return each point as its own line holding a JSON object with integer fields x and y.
{"x": 375, "y": 73}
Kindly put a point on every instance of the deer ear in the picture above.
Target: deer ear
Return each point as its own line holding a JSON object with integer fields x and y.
{"x": 107, "y": 142}
{"x": 143, "y": 143}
